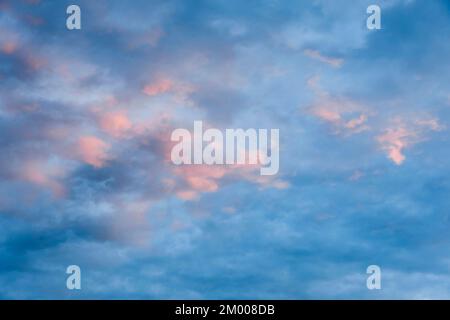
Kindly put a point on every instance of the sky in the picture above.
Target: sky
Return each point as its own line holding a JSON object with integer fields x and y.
{"x": 85, "y": 171}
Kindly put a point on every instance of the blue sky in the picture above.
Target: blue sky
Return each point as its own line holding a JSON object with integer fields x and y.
{"x": 85, "y": 123}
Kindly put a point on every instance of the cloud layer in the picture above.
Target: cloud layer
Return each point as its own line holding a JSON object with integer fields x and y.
{"x": 86, "y": 176}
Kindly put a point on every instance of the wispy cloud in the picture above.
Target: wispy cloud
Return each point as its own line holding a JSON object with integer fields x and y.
{"x": 345, "y": 115}
{"x": 403, "y": 134}
{"x": 92, "y": 150}
{"x": 314, "y": 54}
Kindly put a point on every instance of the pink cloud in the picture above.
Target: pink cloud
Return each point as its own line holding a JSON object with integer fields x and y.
{"x": 209, "y": 178}
{"x": 9, "y": 47}
{"x": 115, "y": 123}
{"x": 188, "y": 182}
{"x": 327, "y": 115}
{"x": 9, "y": 41}
{"x": 34, "y": 62}
{"x": 201, "y": 178}
{"x": 393, "y": 141}
{"x": 280, "y": 184}
{"x": 203, "y": 184}
{"x": 187, "y": 195}
{"x": 314, "y": 54}
{"x": 92, "y": 150}
{"x": 158, "y": 87}
{"x": 357, "y": 122}
{"x": 403, "y": 135}
{"x": 44, "y": 176}
{"x": 345, "y": 115}
{"x": 198, "y": 179}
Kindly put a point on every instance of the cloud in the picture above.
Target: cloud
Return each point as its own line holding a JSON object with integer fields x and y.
{"x": 115, "y": 123}
{"x": 345, "y": 115}
{"x": 404, "y": 134}
{"x": 199, "y": 179}
{"x": 9, "y": 47}
{"x": 44, "y": 175}
{"x": 157, "y": 87}
{"x": 356, "y": 123}
{"x": 93, "y": 150}
{"x": 150, "y": 38}
{"x": 232, "y": 27}
{"x": 85, "y": 171}
{"x": 356, "y": 175}
{"x": 187, "y": 195}
{"x": 394, "y": 140}
{"x": 314, "y": 54}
